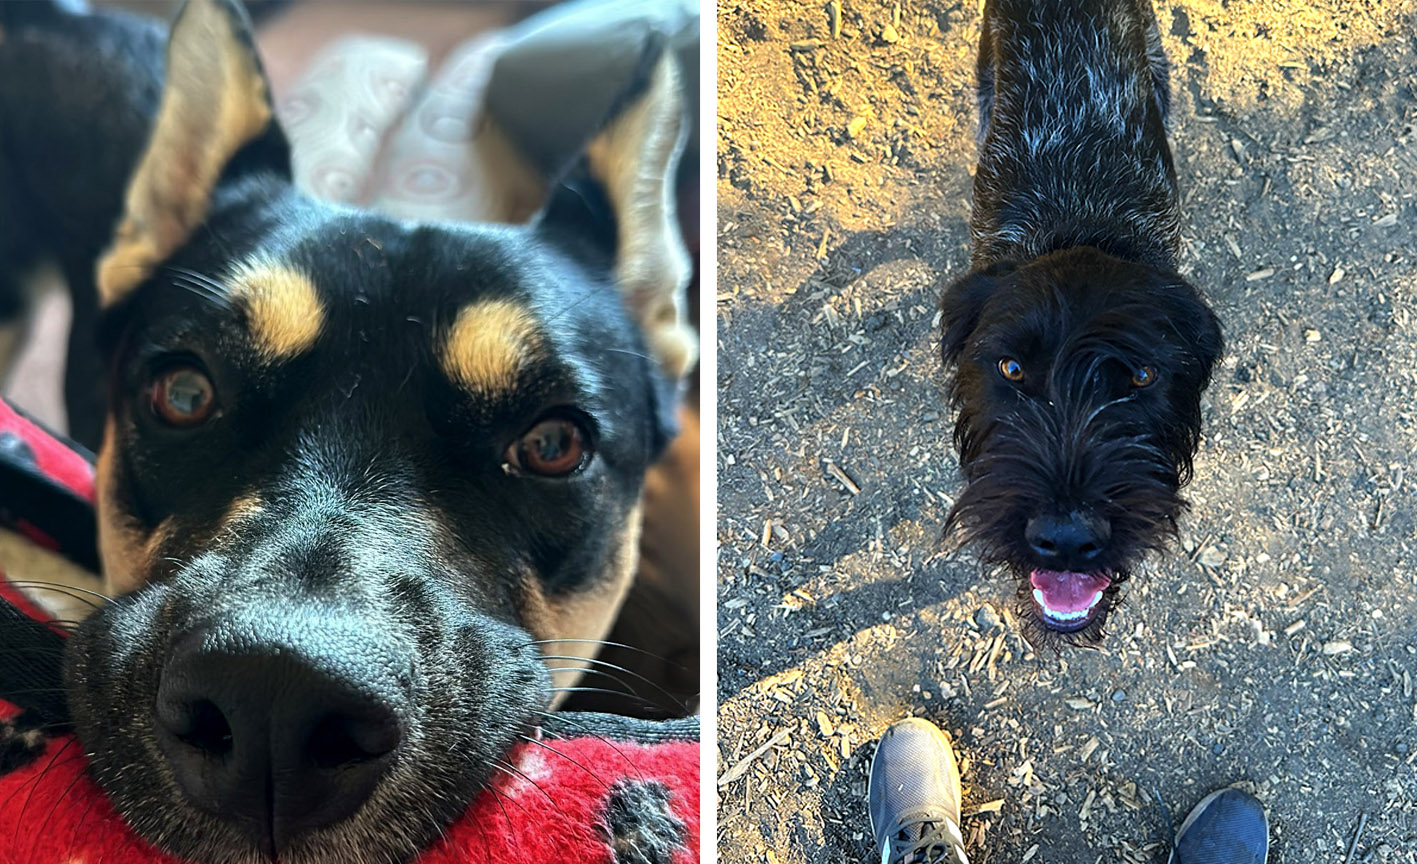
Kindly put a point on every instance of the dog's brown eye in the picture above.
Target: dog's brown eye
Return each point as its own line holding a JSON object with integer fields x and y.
{"x": 182, "y": 396}
{"x": 1011, "y": 369}
{"x": 1143, "y": 376}
{"x": 554, "y": 447}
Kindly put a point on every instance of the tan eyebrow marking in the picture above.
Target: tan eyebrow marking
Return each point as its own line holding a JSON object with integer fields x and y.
{"x": 283, "y": 310}
{"x": 489, "y": 344}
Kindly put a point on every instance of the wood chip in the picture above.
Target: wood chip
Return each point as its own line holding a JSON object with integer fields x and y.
{"x": 987, "y": 807}
{"x": 843, "y": 478}
{"x": 741, "y": 767}
{"x": 1087, "y": 748}
{"x": 1337, "y": 646}
{"x": 1259, "y": 274}
{"x": 1357, "y": 835}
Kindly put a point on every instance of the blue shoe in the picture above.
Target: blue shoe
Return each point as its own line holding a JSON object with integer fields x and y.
{"x": 1226, "y": 827}
{"x": 915, "y": 796}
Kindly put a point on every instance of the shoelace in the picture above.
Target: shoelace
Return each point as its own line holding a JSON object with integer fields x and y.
{"x": 932, "y": 843}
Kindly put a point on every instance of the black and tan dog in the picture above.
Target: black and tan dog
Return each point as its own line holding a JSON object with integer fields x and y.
{"x": 359, "y": 477}
{"x": 1077, "y": 352}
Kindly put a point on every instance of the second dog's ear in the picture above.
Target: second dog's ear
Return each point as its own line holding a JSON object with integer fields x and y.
{"x": 215, "y": 122}
{"x": 961, "y": 304}
{"x": 620, "y": 197}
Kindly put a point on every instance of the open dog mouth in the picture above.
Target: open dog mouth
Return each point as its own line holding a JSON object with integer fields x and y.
{"x": 1067, "y": 601}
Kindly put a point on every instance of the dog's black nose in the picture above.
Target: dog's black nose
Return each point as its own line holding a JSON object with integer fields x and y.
{"x": 1071, "y": 542}
{"x": 276, "y": 736}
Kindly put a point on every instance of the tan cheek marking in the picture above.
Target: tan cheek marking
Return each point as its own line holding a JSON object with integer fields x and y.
{"x": 23, "y": 559}
{"x": 283, "y": 309}
{"x": 489, "y": 344}
{"x": 584, "y": 615}
{"x": 126, "y": 552}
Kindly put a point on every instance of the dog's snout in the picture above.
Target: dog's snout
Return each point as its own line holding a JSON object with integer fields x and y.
{"x": 1071, "y": 542}
{"x": 273, "y": 739}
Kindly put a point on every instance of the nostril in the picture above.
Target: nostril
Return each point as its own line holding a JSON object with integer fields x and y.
{"x": 1089, "y": 549}
{"x": 205, "y": 728}
{"x": 339, "y": 740}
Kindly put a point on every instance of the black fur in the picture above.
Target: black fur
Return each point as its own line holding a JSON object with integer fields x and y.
{"x": 77, "y": 96}
{"x": 391, "y": 539}
{"x": 1075, "y": 234}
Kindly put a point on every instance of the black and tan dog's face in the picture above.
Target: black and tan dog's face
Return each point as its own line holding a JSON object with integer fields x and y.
{"x": 1078, "y": 378}
{"x": 356, "y": 472}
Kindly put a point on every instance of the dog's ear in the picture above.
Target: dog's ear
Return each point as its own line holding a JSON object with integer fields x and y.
{"x": 1201, "y": 330}
{"x": 961, "y": 304}
{"x": 619, "y": 196}
{"x": 215, "y": 123}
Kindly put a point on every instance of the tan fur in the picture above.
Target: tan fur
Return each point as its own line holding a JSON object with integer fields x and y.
{"x": 242, "y": 510}
{"x": 283, "y": 309}
{"x": 214, "y": 102}
{"x": 125, "y": 552}
{"x": 634, "y": 157}
{"x": 489, "y": 344}
{"x": 22, "y": 559}
{"x": 511, "y": 189}
{"x": 583, "y": 615}
{"x": 12, "y": 337}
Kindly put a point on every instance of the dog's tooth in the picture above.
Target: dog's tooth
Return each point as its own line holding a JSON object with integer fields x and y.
{"x": 1061, "y": 617}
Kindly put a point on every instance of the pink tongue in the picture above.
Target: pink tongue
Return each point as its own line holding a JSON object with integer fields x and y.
{"x": 1068, "y": 592}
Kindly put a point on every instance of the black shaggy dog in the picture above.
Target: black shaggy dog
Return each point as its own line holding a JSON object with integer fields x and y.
{"x": 1077, "y": 352}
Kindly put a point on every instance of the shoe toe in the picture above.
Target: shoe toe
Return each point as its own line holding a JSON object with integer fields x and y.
{"x": 913, "y": 771}
{"x": 1228, "y": 827}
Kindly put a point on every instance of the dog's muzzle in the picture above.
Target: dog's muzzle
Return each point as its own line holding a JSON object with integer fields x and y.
{"x": 283, "y": 724}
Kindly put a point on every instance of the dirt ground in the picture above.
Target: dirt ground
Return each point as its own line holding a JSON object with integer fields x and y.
{"x": 1275, "y": 647}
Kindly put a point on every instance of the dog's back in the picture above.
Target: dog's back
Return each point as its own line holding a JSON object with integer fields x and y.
{"x": 78, "y": 92}
{"x": 1073, "y": 96}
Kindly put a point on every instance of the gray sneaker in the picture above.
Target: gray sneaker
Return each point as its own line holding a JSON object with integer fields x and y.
{"x": 915, "y": 797}
{"x": 1226, "y": 827}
